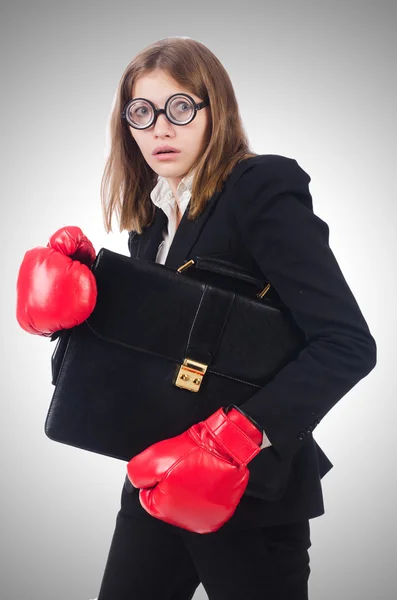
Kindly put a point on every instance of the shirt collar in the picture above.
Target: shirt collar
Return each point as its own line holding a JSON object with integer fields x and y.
{"x": 162, "y": 193}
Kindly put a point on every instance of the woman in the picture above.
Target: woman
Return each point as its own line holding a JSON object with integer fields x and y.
{"x": 184, "y": 183}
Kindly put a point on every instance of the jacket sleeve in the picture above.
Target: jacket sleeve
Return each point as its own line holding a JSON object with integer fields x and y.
{"x": 273, "y": 210}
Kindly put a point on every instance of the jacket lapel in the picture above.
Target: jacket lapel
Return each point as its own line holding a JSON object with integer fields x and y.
{"x": 184, "y": 239}
{"x": 187, "y": 234}
{"x": 151, "y": 237}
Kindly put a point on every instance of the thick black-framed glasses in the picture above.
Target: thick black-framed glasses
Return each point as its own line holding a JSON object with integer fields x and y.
{"x": 180, "y": 109}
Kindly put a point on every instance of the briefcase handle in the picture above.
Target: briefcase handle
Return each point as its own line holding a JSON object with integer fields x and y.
{"x": 223, "y": 267}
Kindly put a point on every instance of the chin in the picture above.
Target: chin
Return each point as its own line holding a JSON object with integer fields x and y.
{"x": 171, "y": 170}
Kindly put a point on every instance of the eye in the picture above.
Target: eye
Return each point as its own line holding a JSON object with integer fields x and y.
{"x": 184, "y": 105}
{"x": 181, "y": 109}
{"x": 144, "y": 110}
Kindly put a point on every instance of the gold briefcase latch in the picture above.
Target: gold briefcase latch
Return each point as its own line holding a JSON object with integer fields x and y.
{"x": 190, "y": 262}
{"x": 190, "y": 375}
{"x": 264, "y": 291}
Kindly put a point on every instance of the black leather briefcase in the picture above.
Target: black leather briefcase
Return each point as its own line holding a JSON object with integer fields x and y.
{"x": 162, "y": 350}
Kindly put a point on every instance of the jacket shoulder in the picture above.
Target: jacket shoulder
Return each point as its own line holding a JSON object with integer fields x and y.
{"x": 271, "y": 166}
{"x": 270, "y": 176}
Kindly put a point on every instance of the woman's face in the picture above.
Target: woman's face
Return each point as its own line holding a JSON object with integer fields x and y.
{"x": 188, "y": 139}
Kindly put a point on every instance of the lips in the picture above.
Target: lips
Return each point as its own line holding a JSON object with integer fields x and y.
{"x": 165, "y": 150}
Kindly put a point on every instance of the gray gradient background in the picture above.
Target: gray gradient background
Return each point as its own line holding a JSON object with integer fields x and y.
{"x": 316, "y": 82}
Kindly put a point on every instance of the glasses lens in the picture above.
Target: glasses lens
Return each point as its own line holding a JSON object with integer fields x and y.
{"x": 139, "y": 113}
{"x": 180, "y": 109}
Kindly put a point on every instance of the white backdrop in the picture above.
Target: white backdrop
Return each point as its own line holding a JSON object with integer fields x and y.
{"x": 315, "y": 82}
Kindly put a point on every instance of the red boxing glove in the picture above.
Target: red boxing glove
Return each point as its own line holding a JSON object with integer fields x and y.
{"x": 55, "y": 287}
{"x": 195, "y": 480}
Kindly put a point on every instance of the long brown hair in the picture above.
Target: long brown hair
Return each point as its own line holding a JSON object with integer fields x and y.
{"x": 127, "y": 179}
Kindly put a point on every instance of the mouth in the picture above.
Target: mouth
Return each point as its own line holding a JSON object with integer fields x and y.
{"x": 166, "y": 155}
{"x": 165, "y": 150}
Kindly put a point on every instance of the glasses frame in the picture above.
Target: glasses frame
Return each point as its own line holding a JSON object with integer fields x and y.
{"x": 158, "y": 111}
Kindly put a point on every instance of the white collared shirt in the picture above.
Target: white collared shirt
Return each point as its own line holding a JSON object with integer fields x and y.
{"x": 163, "y": 197}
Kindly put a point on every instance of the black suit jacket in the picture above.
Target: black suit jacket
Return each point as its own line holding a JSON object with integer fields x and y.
{"x": 263, "y": 221}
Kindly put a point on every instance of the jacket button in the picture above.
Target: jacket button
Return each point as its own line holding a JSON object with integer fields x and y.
{"x": 309, "y": 429}
{"x": 301, "y": 435}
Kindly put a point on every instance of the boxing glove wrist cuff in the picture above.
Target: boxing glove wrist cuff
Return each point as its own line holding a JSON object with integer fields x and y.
{"x": 233, "y": 439}
{"x": 228, "y": 408}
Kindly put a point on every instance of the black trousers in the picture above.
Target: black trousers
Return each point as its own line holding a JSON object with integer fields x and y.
{"x": 150, "y": 559}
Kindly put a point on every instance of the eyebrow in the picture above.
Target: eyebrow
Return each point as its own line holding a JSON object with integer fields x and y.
{"x": 164, "y": 101}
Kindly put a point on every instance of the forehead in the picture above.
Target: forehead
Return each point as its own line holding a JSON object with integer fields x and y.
{"x": 157, "y": 87}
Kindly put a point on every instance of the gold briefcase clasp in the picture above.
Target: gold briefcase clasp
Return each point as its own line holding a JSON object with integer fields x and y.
{"x": 190, "y": 375}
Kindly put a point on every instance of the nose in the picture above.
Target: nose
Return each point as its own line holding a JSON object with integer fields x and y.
{"x": 162, "y": 125}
